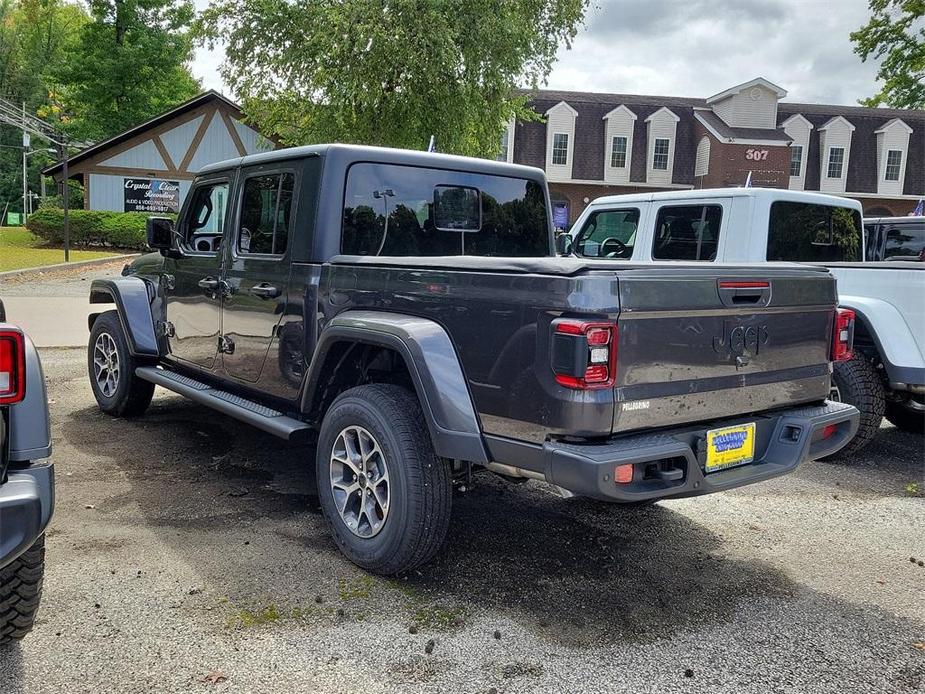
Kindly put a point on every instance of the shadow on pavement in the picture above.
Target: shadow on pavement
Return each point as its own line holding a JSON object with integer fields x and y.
{"x": 576, "y": 571}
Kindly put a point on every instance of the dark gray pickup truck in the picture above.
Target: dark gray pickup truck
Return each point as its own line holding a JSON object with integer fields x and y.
{"x": 408, "y": 310}
{"x": 26, "y": 481}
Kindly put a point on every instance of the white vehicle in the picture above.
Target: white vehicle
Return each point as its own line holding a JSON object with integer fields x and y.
{"x": 749, "y": 225}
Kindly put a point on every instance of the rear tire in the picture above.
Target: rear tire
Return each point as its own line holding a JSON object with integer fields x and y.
{"x": 374, "y": 438}
{"x": 857, "y": 383}
{"x": 21, "y": 592}
{"x": 907, "y": 417}
{"x": 111, "y": 366}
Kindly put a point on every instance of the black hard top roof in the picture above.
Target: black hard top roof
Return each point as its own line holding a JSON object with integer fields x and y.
{"x": 348, "y": 154}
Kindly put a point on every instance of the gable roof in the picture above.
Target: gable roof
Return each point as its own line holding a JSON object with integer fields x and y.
{"x": 757, "y": 82}
{"x": 185, "y": 107}
{"x": 559, "y": 106}
{"x": 890, "y": 124}
{"x": 841, "y": 120}
{"x": 722, "y": 131}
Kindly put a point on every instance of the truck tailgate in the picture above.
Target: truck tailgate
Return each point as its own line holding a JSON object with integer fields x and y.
{"x": 699, "y": 343}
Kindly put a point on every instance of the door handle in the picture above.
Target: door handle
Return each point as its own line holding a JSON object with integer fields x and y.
{"x": 208, "y": 283}
{"x": 265, "y": 291}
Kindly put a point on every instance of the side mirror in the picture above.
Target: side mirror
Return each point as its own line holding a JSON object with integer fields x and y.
{"x": 160, "y": 233}
{"x": 563, "y": 244}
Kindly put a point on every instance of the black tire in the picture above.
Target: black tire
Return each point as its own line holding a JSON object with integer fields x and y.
{"x": 905, "y": 417}
{"x": 419, "y": 486}
{"x": 132, "y": 395}
{"x": 21, "y": 592}
{"x": 858, "y": 384}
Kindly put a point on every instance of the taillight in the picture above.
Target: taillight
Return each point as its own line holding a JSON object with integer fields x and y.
{"x": 584, "y": 353}
{"x": 843, "y": 335}
{"x": 12, "y": 366}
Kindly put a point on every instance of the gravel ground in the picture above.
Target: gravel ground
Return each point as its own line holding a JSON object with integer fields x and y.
{"x": 188, "y": 553}
{"x": 60, "y": 282}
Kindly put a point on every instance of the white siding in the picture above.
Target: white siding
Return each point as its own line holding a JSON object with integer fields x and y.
{"x": 620, "y": 123}
{"x": 661, "y": 124}
{"x": 560, "y": 119}
{"x": 142, "y": 156}
{"x": 895, "y": 135}
{"x": 216, "y": 145}
{"x": 253, "y": 141}
{"x": 702, "y": 163}
{"x": 177, "y": 140}
{"x": 798, "y": 129}
{"x": 835, "y": 133}
{"x": 754, "y": 107}
{"x": 107, "y": 192}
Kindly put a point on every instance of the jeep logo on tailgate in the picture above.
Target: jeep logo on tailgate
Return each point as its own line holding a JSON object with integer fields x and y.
{"x": 736, "y": 338}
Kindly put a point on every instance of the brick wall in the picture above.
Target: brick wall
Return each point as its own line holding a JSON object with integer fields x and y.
{"x": 729, "y": 164}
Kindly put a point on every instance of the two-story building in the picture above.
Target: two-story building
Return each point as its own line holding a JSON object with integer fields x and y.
{"x": 601, "y": 144}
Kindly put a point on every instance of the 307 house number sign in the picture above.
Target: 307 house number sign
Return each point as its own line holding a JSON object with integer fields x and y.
{"x": 756, "y": 154}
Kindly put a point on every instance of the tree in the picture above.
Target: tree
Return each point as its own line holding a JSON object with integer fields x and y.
{"x": 389, "y": 72}
{"x": 895, "y": 34}
{"x": 131, "y": 64}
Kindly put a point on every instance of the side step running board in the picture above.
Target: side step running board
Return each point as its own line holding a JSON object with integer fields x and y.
{"x": 255, "y": 414}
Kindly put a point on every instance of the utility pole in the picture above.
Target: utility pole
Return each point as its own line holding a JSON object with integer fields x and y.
{"x": 25, "y": 171}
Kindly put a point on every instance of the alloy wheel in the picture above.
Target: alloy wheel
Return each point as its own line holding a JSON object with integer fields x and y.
{"x": 106, "y": 364}
{"x": 360, "y": 481}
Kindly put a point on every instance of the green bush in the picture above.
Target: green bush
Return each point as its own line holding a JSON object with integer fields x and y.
{"x": 91, "y": 228}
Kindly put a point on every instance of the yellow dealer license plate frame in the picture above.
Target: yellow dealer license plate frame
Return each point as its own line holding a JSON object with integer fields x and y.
{"x": 730, "y": 447}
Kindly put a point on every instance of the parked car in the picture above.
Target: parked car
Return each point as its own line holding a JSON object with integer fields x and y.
{"x": 408, "y": 308}
{"x": 755, "y": 225}
{"x": 26, "y": 481}
{"x": 895, "y": 238}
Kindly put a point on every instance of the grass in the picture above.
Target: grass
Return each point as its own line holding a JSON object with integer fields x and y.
{"x": 20, "y": 249}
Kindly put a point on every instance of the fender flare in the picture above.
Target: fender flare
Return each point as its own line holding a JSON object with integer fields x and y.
{"x": 30, "y": 430}
{"x": 435, "y": 370}
{"x": 130, "y": 295}
{"x": 896, "y": 344}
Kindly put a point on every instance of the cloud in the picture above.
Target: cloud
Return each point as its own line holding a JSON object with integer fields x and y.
{"x": 696, "y": 48}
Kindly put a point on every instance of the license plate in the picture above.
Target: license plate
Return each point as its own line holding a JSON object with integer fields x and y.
{"x": 730, "y": 446}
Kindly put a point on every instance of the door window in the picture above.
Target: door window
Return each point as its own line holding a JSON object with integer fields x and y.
{"x": 906, "y": 240}
{"x": 266, "y": 214}
{"x": 205, "y": 221}
{"x": 687, "y": 232}
{"x": 608, "y": 234}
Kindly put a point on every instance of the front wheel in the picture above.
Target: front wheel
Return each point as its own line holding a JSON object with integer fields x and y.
{"x": 857, "y": 383}
{"x": 21, "y": 592}
{"x": 908, "y": 414}
{"x": 111, "y": 366}
{"x": 385, "y": 493}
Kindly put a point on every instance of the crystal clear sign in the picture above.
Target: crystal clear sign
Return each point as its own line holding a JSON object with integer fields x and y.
{"x": 151, "y": 195}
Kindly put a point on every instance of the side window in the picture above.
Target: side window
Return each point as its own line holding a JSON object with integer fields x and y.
{"x": 608, "y": 234}
{"x": 811, "y": 233}
{"x": 205, "y": 221}
{"x": 266, "y": 214}
{"x": 687, "y": 232}
{"x": 394, "y": 210}
{"x": 906, "y": 240}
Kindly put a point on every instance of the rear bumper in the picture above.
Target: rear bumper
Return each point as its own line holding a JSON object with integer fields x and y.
{"x": 670, "y": 463}
{"x": 26, "y": 502}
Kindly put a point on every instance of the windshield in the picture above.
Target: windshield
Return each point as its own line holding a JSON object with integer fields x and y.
{"x": 813, "y": 233}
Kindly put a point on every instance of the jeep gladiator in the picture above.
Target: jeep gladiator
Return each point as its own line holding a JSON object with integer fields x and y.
{"x": 26, "y": 481}
{"x": 407, "y": 309}
{"x": 886, "y": 374}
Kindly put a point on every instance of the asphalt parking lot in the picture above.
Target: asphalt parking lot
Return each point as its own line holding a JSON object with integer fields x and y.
{"x": 188, "y": 553}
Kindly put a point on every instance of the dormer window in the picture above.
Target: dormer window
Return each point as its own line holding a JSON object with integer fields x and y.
{"x": 560, "y": 149}
{"x": 834, "y": 154}
{"x": 894, "y": 160}
{"x": 836, "y": 162}
{"x": 619, "y": 125}
{"x": 892, "y": 156}
{"x": 660, "y": 154}
{"x": 796, "y": 160}
{"x": 560, "y": 140}
{"x": 618, "y": 152}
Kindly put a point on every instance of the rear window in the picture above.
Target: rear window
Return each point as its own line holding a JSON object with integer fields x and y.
{"x": 811, "y": 233}
{"x": 896, "y": 239}
{"x": 394, "y": 210}
{"x": 608, "y": 234}
{"x": 687, "y": 232}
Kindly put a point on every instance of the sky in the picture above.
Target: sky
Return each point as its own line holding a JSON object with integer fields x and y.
{"x": 697, "y": 48}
